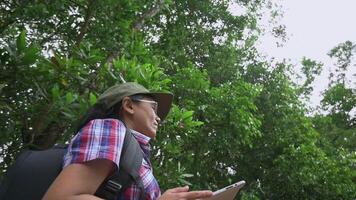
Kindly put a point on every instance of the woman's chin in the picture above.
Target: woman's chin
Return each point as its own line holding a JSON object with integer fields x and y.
{"x": 151, "y": 134}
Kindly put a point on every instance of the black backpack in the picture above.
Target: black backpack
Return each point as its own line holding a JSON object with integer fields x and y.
{"x": 34, "y": 171}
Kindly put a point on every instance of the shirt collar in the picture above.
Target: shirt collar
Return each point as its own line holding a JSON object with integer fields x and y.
{"x": 141, "y": 138}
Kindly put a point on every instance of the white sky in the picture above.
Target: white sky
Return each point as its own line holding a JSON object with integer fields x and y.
{"x": 314, "y": 27}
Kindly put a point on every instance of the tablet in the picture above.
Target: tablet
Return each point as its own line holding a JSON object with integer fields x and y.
{"x": 227, "y": 193}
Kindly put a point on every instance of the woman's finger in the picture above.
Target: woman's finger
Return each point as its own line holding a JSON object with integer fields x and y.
{"x": 179, "y": 189}
{"x": 196, "y": 194}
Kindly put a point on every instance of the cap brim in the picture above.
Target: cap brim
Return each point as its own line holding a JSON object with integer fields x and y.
{"x": 164, "y": 101}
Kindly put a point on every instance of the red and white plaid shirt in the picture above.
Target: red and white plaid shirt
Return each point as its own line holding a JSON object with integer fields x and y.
{"x": 103, "y": 138}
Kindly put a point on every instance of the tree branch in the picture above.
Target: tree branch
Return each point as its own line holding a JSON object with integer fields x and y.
{"x": 84, "y": 28}
{"x": 7, "y": 23}
{"x": 149, "y": 14}
{"x": 13, "y": 15}
{"x": 136, "y": 27}
{"x": 111, "y": 57}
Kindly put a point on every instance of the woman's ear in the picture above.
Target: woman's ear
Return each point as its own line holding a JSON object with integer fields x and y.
{"x": 127, "y": 106}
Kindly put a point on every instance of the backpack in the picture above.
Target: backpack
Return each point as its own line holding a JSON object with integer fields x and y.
{"x": 34, "y": 171}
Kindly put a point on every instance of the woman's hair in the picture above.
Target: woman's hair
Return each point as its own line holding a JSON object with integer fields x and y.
{"x": 99, "y": 112}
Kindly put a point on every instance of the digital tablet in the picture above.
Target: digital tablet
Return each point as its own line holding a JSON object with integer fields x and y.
{"x": 227, "y": 193}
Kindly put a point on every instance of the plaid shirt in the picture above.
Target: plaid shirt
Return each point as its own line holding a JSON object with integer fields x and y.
{"x": 103, "y": 138}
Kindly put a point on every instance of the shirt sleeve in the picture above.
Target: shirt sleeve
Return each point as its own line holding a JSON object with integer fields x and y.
{"x": 99, "y": 138}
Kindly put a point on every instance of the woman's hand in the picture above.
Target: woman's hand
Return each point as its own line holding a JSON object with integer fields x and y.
{"x": 183, "y": 193}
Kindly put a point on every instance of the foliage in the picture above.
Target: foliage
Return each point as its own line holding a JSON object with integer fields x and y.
{"x": 310, "y": 69}
{"x": 337, "y": 127}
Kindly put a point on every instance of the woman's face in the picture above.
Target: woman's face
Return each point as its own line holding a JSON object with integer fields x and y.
{"x": 144, "y": 117}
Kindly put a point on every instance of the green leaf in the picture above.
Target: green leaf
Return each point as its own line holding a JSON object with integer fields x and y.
{"x": 55, "y": 92}
{"x": 31, "y": 54}
{"x": 197, "y": 123}
{"x": 2, "y": 85}
{"x": 92, "y": 99}
{"x": 184, "y": 182}
{"x": 187, "y": 175}
{"x": 68, "y": 115}
{"x": 21, "y": 41}
{"x": 187, "y": 114}
{"x": 69, "y": 97}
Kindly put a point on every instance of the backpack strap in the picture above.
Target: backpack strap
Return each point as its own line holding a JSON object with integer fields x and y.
{"x": 132, "y": 161}
{"x": 128, "y": 173}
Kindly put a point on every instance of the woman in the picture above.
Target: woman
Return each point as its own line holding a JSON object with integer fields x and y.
{"x": 94, "y": 153}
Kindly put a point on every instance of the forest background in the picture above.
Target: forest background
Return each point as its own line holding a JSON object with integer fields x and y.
{"x": 236, "y": 114}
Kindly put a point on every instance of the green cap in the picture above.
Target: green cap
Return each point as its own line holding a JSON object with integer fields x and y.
{"x": 116, "y": 93}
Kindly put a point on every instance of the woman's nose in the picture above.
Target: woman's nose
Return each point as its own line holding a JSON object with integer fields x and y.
{"x": 158, "y": 119}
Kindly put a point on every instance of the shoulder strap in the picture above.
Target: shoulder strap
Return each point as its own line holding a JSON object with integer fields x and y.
{"x": 128, "y": 173}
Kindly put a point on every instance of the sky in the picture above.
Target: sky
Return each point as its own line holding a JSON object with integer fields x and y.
{"x": 313, "y": 28}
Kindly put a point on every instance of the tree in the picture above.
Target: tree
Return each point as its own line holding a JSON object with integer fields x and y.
{"x": 337, "y": 126}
